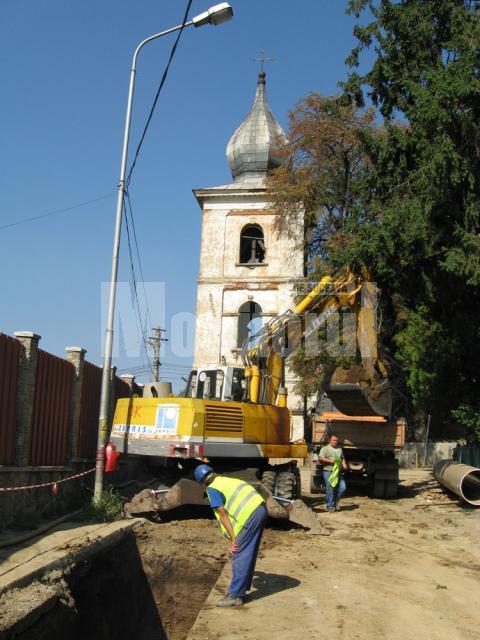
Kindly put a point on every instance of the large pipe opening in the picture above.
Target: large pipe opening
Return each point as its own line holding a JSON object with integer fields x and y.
{"x": 461, "y": 479}
{"x": 470, "y": 487}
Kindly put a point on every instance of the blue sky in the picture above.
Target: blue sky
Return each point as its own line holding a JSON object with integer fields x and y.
{"x": 65, "y": 78}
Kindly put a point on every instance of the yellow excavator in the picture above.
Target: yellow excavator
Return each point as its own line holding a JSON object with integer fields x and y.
{"x": 237, "y": 417}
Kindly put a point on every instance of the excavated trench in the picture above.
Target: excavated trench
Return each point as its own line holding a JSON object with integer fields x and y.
{"x": 149, "y": 586}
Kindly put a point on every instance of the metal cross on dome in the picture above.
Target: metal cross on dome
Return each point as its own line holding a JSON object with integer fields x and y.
{"x": 262, "y": 59}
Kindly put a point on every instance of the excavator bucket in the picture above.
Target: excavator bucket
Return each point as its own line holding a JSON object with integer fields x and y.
{"x": 149, "y": 501}
{"x": 295, "y": 511}
{"x": 355, "y": 392}
{"x": 189, "y": 492}
{"x": 352, "y": 400}
{"x": 302, "y": 515}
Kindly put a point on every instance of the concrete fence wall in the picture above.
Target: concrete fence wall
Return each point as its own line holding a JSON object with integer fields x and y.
{"x": 414, "y": 454}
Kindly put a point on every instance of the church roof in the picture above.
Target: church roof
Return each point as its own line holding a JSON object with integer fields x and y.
{"x": 253, "y": 148}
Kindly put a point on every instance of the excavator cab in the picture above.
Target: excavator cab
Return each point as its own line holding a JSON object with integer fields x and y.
{"x": 217, "y": 383}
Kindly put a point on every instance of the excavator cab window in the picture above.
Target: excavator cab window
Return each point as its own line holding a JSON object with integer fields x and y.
{"x": 238, "y": 385}
{"x": 210, "y": 385}
{"x": 191, "y": 387}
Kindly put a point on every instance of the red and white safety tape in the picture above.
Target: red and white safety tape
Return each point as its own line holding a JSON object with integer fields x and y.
{"x": 46, "y": 484}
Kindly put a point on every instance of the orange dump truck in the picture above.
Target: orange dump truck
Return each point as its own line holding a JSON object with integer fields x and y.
{"x": 370, "y": 445}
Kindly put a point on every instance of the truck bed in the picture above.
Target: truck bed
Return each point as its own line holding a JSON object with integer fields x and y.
{"x": 359, "y": 432}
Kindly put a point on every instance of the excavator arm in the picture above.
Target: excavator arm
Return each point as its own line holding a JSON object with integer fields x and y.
{"x": 360, "y": 390}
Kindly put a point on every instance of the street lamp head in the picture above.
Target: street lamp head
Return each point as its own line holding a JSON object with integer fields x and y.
{"x": 215, "y": 15}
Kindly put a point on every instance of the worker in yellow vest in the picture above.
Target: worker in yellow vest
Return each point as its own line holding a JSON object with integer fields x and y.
{"x": 241, "y": 512}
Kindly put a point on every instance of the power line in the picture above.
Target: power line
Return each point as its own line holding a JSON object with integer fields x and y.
{"x": 143, "y": 368}
{"x": 168, "y": 366}
{"x": 165, "y": 374}
{"x": 157, "y": 95}
{"x": 138, "y": 257}
{"x": 135, "y": 288}
{"x": 52, "y": 213}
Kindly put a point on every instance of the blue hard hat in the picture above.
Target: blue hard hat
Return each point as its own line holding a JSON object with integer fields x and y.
{"x": 202, "y": 471}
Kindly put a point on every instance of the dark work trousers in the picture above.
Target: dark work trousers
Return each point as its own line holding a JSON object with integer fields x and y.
{"x": 243, "y": 561}
{"x": 333, "y": 494}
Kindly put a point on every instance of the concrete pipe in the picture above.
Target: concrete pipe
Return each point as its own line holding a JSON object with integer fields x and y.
{"x": 160, "y": 389}
{"x": 462, "y": 479}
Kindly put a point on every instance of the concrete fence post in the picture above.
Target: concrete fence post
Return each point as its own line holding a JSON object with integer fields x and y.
{"x": 130, "y": 380}
{"x": 75, "y": 355}
{"x": 27, "y": 374}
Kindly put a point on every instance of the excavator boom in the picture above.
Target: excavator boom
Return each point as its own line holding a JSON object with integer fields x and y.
{"x": 360, "y": 390}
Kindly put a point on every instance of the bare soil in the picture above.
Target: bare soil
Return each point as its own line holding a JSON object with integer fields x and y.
{"x": 149, "y": 587}
{"x": 388, "y": 570}
{"x": 182, "y": 561}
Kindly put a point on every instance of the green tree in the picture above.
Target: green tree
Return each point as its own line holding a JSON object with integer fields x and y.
{"x": 416, "y": 221}
{"x": 324, "y": 170}
{"x": 423, "y": 239}
{"x": 321, "y": 185}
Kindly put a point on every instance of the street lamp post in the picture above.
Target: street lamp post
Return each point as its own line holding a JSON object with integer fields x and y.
{"x": 215, "y": 15}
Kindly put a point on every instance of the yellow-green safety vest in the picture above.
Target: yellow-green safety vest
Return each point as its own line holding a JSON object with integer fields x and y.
{"x": 333, "y": 477}
{"x": 241, "y": 500}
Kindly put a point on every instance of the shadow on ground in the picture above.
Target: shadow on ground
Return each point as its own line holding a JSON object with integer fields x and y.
{"x": 267, "y": 584}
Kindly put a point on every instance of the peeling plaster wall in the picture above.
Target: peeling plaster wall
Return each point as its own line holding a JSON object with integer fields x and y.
{"x": 224, "y": 285}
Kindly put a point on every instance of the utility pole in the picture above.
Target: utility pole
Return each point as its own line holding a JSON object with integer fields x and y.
{"x": 155, "y": 341}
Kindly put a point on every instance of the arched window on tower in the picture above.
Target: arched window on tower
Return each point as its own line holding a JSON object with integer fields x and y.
{"x": 249, "y": 321}
{"x": 252, "y": 244}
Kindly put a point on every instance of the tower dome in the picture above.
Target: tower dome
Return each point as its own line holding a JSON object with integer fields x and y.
{"x": 253, "y": 148}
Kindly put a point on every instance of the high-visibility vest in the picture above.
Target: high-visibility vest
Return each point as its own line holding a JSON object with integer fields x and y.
{"x": 241, "y": 500}
{"x": 333, "y": 477}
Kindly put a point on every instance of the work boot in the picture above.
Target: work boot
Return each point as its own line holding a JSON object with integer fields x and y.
{"x": 229, "y": 601}
{"x": 337, "y": 507}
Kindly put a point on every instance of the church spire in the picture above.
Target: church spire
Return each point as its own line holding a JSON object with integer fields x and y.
{"x": 253, "y": 149}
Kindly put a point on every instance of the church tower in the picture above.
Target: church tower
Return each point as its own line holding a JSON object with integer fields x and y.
{"x": 248, "y": 271}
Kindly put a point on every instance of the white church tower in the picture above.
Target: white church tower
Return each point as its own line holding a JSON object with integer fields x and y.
{"x": 248, "y": 271}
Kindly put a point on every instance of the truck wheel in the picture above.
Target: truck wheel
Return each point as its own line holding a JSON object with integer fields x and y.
{"x": 268, "y": 481}
{"x": 379, "y": 487}
{"x": 391, "y": 489}
{"x": 285, "y": 485}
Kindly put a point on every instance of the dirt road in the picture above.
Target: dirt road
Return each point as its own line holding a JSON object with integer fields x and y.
{"x": 404, "y": 569}
{"x": 388, "y": 570}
